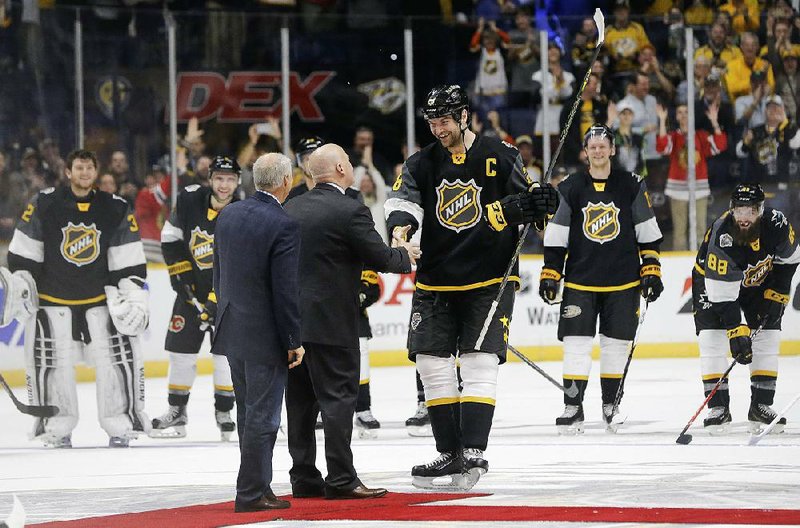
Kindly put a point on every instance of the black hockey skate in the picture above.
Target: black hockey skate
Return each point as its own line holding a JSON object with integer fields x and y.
{"x": 571, "y": 422}
{"x": 475, "y": 466}
{"x": 760, "y": 415}
{"x": 448, "y": 467}
{"x": 225, "y": 424}
{"x": 367, "y": 425}
{"x": 420, "y": 423}
{"x": 171, "y": 424}
{"x": 718, "y": 421}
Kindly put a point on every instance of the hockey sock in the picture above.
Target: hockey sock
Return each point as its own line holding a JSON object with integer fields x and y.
{"x": 182, "y": 372}
{"x": 363, "y": 400}
{"x": 762, "y": 388}
{"x": 223, "y": 385}
{"x": 420, "y": 389}
{"x": 445, "y": 424}
{"x": 722, "y": 397}
{"x": 479, "y": 372}
{"x": 581, "y": 384}
{"x": 442, "y": 399}
{"x": 609, "y": 387}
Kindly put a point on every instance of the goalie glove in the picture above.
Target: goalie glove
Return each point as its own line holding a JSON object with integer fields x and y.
{"x": 180, "y": 276}
{"x": 19, "y": 298}
{"x": 128, "y": 306}
{"x": 741, "y": 344}
{"x": 651, "y": 285}
{"x": 534, "y": 206}
{"x": 772, "y": 307}
{"x": 550, "y": 286}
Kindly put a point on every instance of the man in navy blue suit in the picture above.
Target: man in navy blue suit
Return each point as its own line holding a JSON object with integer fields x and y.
{"x": 256, "y": 257}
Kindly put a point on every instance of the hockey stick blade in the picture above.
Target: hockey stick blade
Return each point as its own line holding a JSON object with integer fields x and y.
{"x": 600, "y": 22}
{"x": 754, "y": 439}
{"x": 39, "y": 411}
{"x": 684, "y": 439}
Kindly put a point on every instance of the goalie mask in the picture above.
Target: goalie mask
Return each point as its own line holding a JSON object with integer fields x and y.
{"x": 446, "y": 101}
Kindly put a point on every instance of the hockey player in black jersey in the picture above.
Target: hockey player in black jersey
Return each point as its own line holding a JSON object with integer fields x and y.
{"x": 467, "y": 194}
{"x": 745, "y": 264}
{"x": 81, "y": 248}
{"x": 606, "y": 223}
{"x": 365, "y": 422}
{"x": 187, "y": 241}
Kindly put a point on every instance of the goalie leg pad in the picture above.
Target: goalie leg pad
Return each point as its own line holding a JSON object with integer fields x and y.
{"x": 49, "y": 358}
{"x": 120, "y": 377}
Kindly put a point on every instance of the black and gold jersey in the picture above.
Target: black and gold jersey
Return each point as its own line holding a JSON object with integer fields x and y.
{"x": 445, "y": 194}
{"x": 603, "y": 228}
{"x": 728, "y": 264}
{"x": 187, "y": 238}
{"x": 74, "y": 247}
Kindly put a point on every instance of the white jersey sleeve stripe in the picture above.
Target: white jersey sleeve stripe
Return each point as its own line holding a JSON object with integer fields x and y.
{"x": 27, "y": 247}
{"x": 170, "y": 233}
{"x": 722, "y": 291}
{"x": 126, "y": 256}
{"x": 391, "y": 204}
{"x": 647, "y": 231}
{"x": 556, "y": 235}
{"x": 794, "y": 258}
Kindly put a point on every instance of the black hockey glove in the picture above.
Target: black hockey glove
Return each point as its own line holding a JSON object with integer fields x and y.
{"x": 531, "y": 206}
{"x": 741, "y": 344}
{"x": 651, "y": 284}
{"x": 772, "y": 307}
{"x": 181, "y": 276}
{"x": 548, "y": 286}
{"x": 209, "y": 314}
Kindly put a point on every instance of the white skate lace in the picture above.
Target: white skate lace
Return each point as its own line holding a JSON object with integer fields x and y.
{"x": 766, "y": 410}
{"x": 570, "y": 411}
{"x": 716, "y": 412}
{"x": 422, "y": 411}
{"x": 443, "y": 457}
{"x": 472, "y": 452}
{"x": 366, "y": 416}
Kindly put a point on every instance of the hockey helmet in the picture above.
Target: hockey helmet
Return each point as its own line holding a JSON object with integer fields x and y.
{"x": 748, "y": 195}
{"x": 598, "y": 130}
{"x": 445, "y": 100}
{"x": 305, "y": 146}
{"x": 224, "y": 164}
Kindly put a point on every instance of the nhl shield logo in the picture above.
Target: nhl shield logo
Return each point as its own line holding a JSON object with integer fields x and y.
{"x": 458, "y": 205}
{"x": 755, "y": 274}
{"x": 601, "y": 222}
{"x": 201, "y": 244}
{"x": 80, "y": 244}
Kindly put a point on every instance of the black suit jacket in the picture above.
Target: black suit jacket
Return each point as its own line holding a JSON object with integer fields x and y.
{"x": 256, "y": 252}
{"x": 338, "y": 240}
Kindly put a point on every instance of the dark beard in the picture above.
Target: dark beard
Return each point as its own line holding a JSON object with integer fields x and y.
{"x": 743, "y": 237}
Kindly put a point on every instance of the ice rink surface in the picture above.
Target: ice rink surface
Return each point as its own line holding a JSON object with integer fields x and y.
{"x": 530, "y": 465}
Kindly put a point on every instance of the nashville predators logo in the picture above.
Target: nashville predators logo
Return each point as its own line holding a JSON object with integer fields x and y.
{"x": 601, "y": 222}
{"x": 755, "y": 274}
{"x": 80, "y": 244}
{"x": 202, "y": 247}
{"x": 458, "y": 204}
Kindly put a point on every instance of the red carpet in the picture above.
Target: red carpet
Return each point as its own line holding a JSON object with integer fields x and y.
{"x": 410, "y": 507}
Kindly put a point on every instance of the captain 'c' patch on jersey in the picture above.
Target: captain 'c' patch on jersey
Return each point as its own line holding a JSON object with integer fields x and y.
{"x": 601, "y": 222}
{"x": 458, "y": 205}
{"x": 755, "y": 274}
{"x": 201, "y": 244}
{"x": 80, "y": 244}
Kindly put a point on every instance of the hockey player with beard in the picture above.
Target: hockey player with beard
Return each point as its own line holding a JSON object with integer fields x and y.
{"x": 187, "y": 241}
{"x": 82, "y": 248}
{"x": 745, "y": 264}
{"x": 467, "y": 193}
{"x": 606, "y": 223}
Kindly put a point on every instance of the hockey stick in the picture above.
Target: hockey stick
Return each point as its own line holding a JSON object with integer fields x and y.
{"x": 599, "y": 21}
{"x": 754, "y": 439}
{"x": 39, "y": 411}
{"x": 683, "y": 437}
{"x": 198, "y": 306}
{"x": 620, "y": 390}
{"x": 572, "y": 391}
